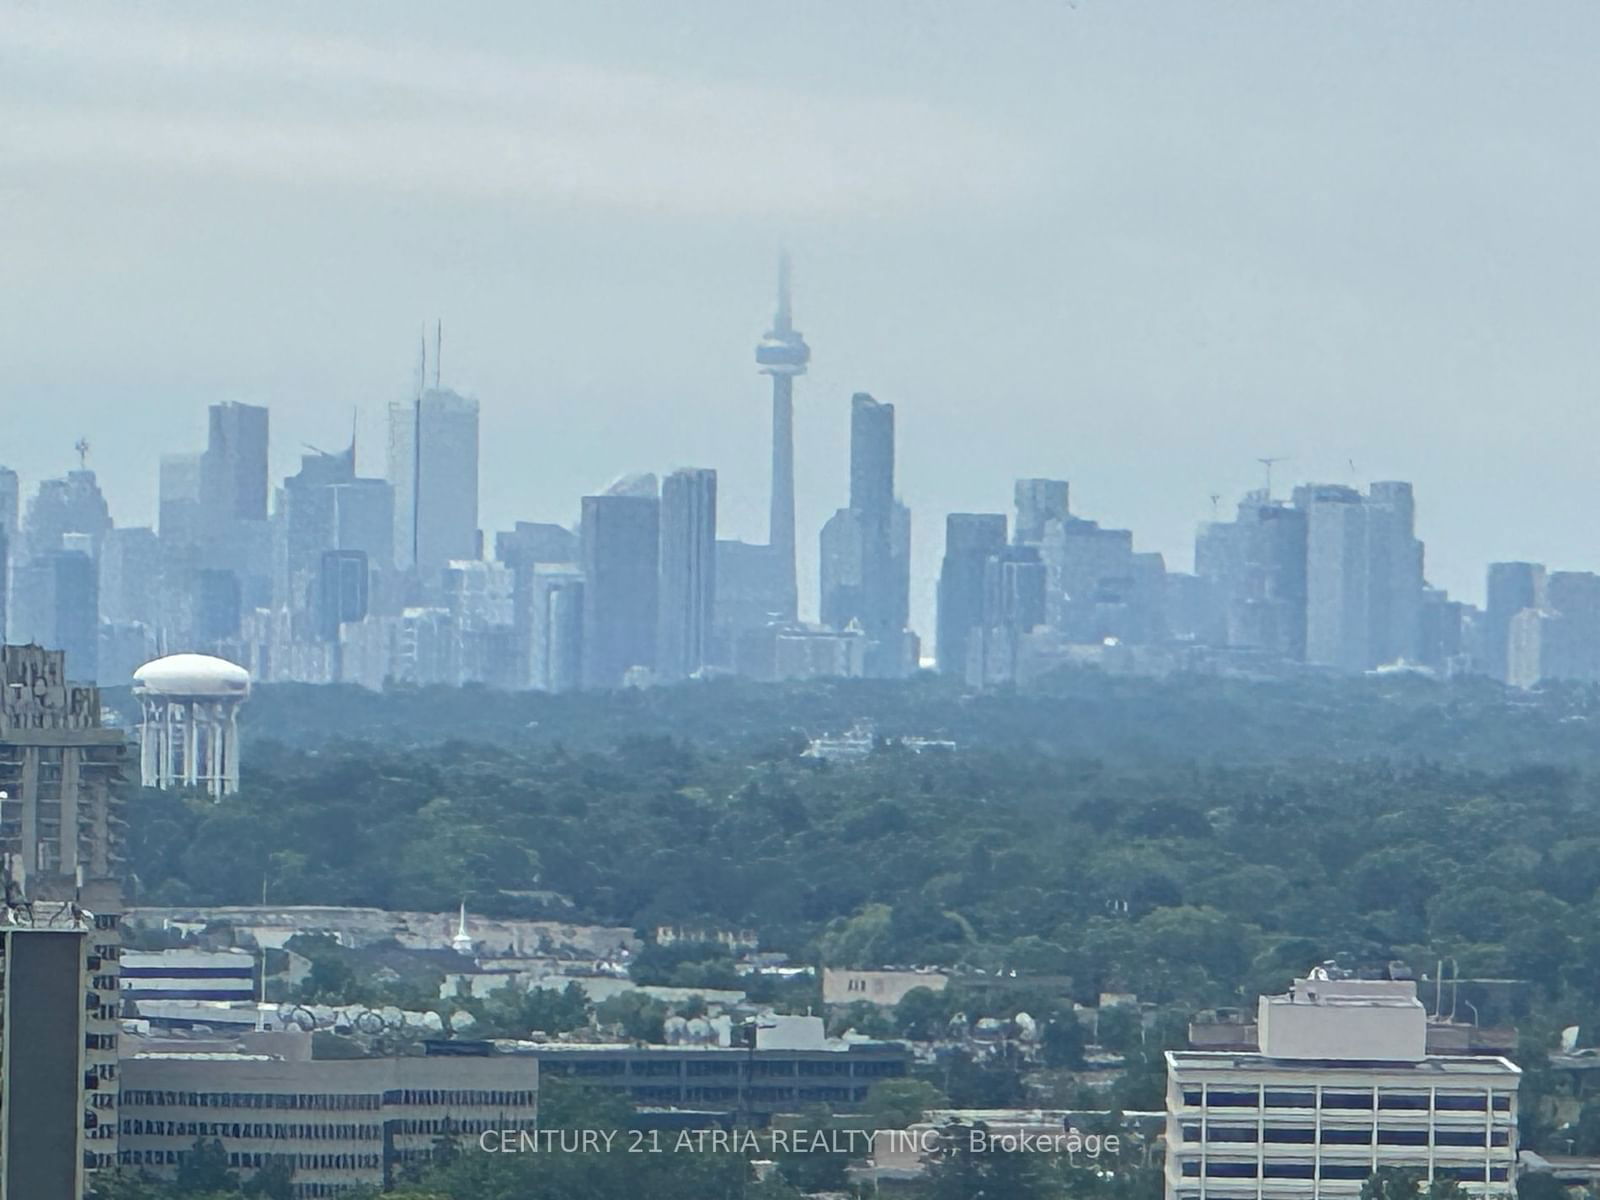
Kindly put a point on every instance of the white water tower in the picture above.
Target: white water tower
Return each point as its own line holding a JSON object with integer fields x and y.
{"x": 189, "y": 724}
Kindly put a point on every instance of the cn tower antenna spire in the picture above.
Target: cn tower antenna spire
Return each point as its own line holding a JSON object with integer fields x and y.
{"x": 783, "y": 323}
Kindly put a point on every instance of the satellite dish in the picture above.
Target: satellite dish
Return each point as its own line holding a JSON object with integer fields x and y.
{"x": 461, "y": 1021}
{"x": 369, "y": 1022}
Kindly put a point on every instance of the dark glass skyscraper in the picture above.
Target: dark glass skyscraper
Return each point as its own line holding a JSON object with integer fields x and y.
{"x": 866, "y": 548}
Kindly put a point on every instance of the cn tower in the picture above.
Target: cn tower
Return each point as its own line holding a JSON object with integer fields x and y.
{"x": 783, "y": 354}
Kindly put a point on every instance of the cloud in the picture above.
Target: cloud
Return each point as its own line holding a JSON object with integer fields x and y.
{"x": 288, "y": 108}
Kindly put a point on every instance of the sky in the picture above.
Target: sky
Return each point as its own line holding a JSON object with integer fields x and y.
{"x": 1134, "y": 245}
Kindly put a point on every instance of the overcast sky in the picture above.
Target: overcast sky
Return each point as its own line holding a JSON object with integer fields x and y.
{"x": 1134, "y": 245}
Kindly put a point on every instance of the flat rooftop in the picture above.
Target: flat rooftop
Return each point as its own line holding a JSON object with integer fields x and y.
{"x": 1434, "y": 1064}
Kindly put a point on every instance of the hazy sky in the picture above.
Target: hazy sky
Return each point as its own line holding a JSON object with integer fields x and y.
{"x": 1134, "y": 245}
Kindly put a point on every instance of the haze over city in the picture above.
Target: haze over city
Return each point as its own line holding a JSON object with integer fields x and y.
{"x": 1135, "y": 246}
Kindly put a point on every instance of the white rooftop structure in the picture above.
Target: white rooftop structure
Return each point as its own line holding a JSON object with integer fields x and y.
{"x": 189, "y": 723}
{"x": 1343, "y": 1086}
{"x": 191, "y": 675}
{"x": 1376, "y": 1020}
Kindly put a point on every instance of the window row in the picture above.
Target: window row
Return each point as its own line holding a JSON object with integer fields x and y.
{"x": 1333, "y": 1136}
{"x": 1352, "y": 1099}
{"x": 1191, "y": 1169}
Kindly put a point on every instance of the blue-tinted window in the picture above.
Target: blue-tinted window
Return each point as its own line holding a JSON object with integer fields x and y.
{"x": 1228, "y": 1099}
{"x": 1276, "y": 1098}
{"x": 1230, "y": 1170}
{"x": 1295, "y": 1136}
{"x": 1402, "y": 1137}
{"x": 1223, "y": 1133}
{"x": 1415, "y": 1101}
{"x": 1353, "y": 1099}
{"x": 1473, "y": 1103}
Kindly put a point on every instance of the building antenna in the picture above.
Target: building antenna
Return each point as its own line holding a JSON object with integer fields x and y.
{"x": 438, "y": 350}
{"x": 1215, "y": 496}
{"x": 82, "y": 447}
{"x": 1267, "y": 463}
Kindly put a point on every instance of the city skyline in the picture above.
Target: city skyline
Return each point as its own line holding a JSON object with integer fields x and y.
{"x": 1377, "y": 266}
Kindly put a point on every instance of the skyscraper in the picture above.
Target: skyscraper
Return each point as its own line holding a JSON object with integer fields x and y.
{"x": 866, "y": 548}
{"x": 1364, "y": 583}
{"x": 688, "y": 561}
{"x": 1395, "y": 573}
{"x": 73, "y": 504}
{"x": 1338, "y": 632}
{"x": 1512, "y": 587}
{"x": 621, "y": 548}
{"x": 436, "y": 490}
{"x": 56, "y": 605}
{"x": 783, "y": 354}
{"x": 233, "y": 468}
{"x": 1256, "y": 568}
{"x": 326, "y": 506}
{"x": 969, "y": 540}
{"x": 555, "y": 620}
{"x": 1038, "y": 502}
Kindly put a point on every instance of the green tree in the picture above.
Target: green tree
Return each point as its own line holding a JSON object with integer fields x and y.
{"x": 899, "y": 1103}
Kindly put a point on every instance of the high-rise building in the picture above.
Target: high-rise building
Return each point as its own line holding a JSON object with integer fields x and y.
{"x": 233, "y": 469}
{"x": 1256, "y": 567}
{"x": 436, "y": 489}
{"x": 343, "y": 591}
{"x": 73, "y": 504}
{"x": 1098, "y": 587}
{"x": 326, "y": 506}
{"x": 688, "y": 565}
{"x": 1512, "y": 587}
{"x": 43, "y": 1034}
{"x": 10, "y": 503}
{"x": 1038, "y": 501}
{"x": 783, "y": 354}
{"x": 525, "y": 548}
{"x": 555, "y": 627}
{"x": 61, "y": 845}
{"x": 1364, "y": 580}
{"x": 621, "y": 547}
{"x": 178, "y": 521}
{"x": 1015, "y": 582}
{"x": 969, "y": 540}
{"x": 1338, "y": 610}
{"x": 1395, "y": 573}
{"x": 866, "y": 548}
{"x": 56, "y": 604}
{"x": 1343, "y": 1086}
{"x": 130, "y": 576}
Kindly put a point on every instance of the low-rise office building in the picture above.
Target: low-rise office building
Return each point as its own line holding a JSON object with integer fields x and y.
{"x": 758, "y": 1082}
{"x": 1343, "y": 1085}
{"x": 338, "y": 1123}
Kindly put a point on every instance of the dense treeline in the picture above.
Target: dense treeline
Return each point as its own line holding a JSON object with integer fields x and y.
{"x": 1187, "y": 878}
{"x": 1072, "y": 714}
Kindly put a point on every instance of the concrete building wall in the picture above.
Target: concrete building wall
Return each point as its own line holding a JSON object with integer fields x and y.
{"x": 338, "y": 1123}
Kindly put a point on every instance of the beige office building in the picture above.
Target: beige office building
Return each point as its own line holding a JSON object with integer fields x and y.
{"x": 339, "y": 1123}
